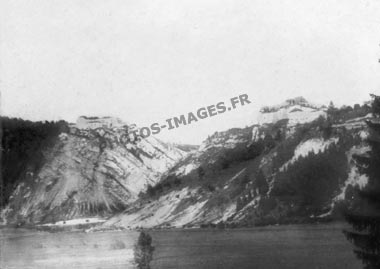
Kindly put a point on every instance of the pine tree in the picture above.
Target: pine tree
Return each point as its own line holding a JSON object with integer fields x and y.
{"x": 143, "y": 251}
{"x": 331, "y": 105}
{"x": 365, "y": 216}
{"x": 261, "y": 183}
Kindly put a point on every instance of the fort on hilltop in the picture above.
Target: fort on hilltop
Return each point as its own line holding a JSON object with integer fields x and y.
{"x": 84, "y": 122}
{"x": 296, "y": 110}
{"x": 297, "y": 101}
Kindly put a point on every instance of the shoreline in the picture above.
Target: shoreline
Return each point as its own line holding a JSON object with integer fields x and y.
{"x": 94, "y": 227}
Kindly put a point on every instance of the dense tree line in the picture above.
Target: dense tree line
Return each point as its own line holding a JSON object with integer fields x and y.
{"x": 312, "y": 180}
{"x": 344, "y": 113}
{"x": 320, "y": 127}
{"x": 22, "y": 145}
{"x": 364, "y": 216}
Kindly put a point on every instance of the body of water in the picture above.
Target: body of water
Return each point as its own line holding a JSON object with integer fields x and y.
{"x": 289, "y": 246}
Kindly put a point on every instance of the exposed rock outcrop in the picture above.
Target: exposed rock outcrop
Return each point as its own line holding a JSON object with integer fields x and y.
{"x": 95, "y": 169}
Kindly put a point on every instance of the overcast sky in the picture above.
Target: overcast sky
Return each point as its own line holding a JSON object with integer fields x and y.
{"x": 146, "y": 61}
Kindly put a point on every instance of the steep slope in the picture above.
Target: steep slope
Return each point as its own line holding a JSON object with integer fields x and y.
{"x": 184, "y": 196}
{"x": 277, "y": 172}
{"x": 94, "y": 169}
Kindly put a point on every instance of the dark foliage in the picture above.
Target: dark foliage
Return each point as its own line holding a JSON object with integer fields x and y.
{"x": 201, "y": 172}
{"x": 261, "y": 183}
{"x": 285, "y": 149}
{"x": 312, "y": 180}
{"x": 143, "y": 251}
{"x": 22, "y": 145}
{"x": 339, "y": 115}
{"x": 168, "y": 183}
{"x": 150, "y": 191}
{"x": 365, "y": 216}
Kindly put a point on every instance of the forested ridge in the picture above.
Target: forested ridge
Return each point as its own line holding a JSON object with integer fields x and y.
{"x": 23, "y": 143}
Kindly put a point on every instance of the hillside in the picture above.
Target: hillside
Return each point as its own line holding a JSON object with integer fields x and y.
{"x": 276, "y": 172}
{"x": 91, "y": 168}
{"x": 286, "y": 169}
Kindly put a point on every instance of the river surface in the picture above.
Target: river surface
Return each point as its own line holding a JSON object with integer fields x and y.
{"x": 290, "y": 246}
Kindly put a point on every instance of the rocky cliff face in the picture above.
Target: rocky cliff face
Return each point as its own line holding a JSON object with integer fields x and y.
{"x": 275, "y": 172}
{"x": 92, "y": 170}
